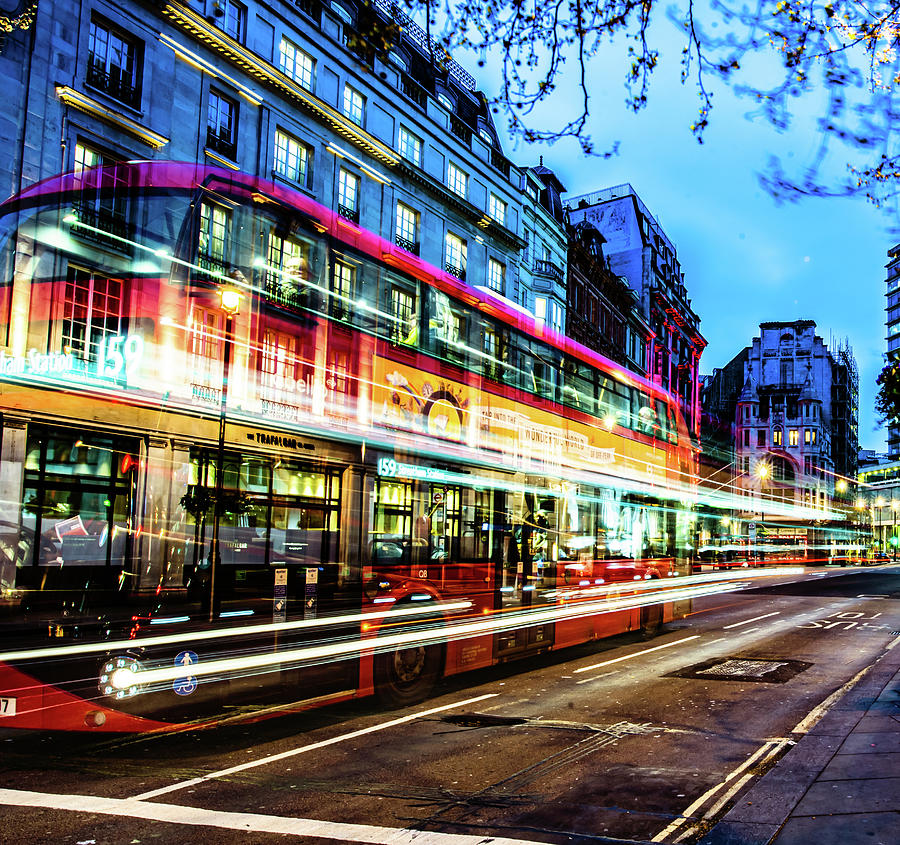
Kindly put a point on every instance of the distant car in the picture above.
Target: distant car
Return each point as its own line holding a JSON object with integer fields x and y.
{"x": 876, "y": 557}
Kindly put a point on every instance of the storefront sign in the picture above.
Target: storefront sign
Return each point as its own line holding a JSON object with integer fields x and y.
{"x": 389, "y": 468}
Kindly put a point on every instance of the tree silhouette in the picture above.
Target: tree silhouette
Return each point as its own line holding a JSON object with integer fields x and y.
{"x": 887, "y": 401}
{"x": 838, "y": 57}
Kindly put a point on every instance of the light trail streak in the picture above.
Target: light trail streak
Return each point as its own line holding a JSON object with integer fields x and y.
{"x": 125, "y": 678}
{"x": 222, "y": 633}
{"x": 50, "y": 652}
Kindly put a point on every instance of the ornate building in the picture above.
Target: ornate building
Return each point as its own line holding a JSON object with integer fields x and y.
{"x": 639, "y": 250}
{"x": 603, "y": 311}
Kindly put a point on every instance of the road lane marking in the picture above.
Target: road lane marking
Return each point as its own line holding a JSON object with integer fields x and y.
{"x": 597, "y": 677}
{"x": 765, "y": 751}
{"x": 144, "y": 796}
{"x": 748, "y": 621}
{"x": 247, "y": 822}
{"x": 636, "y": 654}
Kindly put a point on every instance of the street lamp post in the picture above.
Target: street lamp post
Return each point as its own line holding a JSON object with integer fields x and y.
{"x": 894, "y": 506}
{"x": 230, "y": 301}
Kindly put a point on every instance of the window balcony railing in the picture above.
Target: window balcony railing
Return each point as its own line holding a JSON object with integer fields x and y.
{"x": 278, "y": 293}
{"x": 499, "y": 161}
{"x": 458, "y": 128}
{"x": 453, "y": 270}
{"x": 103, "y": 225}
{"x": 117, "y": 83}
{"x": 413, "y": 90}
{"x": 221, "y": 143}
{"x": 348, "y": 213}
{"x": 212, "y": 264}
{"x": 548, "y": 269}
{"x": 409, "y": 246}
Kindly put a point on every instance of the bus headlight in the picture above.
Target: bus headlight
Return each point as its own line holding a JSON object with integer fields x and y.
{"x": 120, "y": 677}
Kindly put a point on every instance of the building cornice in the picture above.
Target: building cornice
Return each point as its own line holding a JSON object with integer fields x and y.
{"x": 87, "y": 104}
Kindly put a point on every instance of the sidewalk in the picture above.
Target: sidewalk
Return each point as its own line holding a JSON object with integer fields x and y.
{"x": 840, "y": 784}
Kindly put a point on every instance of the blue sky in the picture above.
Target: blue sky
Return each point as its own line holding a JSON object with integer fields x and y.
{"x": 745, "y": 258}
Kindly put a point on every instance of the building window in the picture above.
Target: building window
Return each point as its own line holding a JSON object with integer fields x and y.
{"x": 455, "y": 256}
{"x": 296, "y": 64}
{"x": 232, "y": 18}
{"x": 746, "y": 436}
{"x": 343, "y": 283}
{"x": 776, "y": 437}
{"x": 205, "y": 334}
{"x": 93, "y": 312}
{"x": 348, "y": 195}
{"x": 807, "y": 435}
{"x": 354, "y": 105}
{"x": 213, "y": 238}
{"x": 409, "y": 146}
{"x": 407, "y": 230}
{"x": 446, "y": 101}
{"x": 793, "y": 437}
{"x": 457, "y": 180}
{"x": 761, "y": 437}
{"x": 497, "y": 209}
{"x": 221, "y": 125}
{"x": 277, "y": 361}
{"x": 548, "y": 311}
{"x": 106, "y": 209}
{"x": 114, "y": 63}
{"x": 292, "y": 158}
{"x": 287, "y": 269}
{"x": 486, "y": 137}
{"x": 746, "y": 412}
{"x": 405, "y": 316}
{"x": 496, "y": 275}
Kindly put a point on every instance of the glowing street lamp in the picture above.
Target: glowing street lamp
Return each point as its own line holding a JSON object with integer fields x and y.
{"x": 230, "y": 300}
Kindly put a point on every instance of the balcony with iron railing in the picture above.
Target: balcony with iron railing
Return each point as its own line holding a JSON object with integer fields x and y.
{"x": 348, "y": 213}
{"x": 222, "y": 143}
{"x": 287, "y": 295}
{"x": 499, "y": 161}
{"x": 212, "y": 264}
{"x": 116, "y": 82}
{"x": 413, "y": 90}
{"x": 460, "y": 130}
{"x": 549, "y": 270}
{"x": 103, "y": 224}
{"x": 409, "y": 246}
{"x": 458, "y": 272}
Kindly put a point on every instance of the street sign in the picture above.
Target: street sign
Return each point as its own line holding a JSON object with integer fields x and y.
{"x": 187, "y": 684}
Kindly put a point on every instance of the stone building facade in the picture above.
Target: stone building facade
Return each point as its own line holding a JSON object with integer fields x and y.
{"x": 795, "y": 406}
{"x": 396, "y": 140}
{"x": 639, "y": 250}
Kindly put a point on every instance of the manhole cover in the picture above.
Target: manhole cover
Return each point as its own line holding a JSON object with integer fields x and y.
{"x": 752, "y": 669}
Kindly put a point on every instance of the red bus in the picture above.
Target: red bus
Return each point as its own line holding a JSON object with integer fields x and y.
{"x": 256, "y": 457}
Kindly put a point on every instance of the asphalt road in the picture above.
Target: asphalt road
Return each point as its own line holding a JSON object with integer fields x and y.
{"x": 619, "y": 740}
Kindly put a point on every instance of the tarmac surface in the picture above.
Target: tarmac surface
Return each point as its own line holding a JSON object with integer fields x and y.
{"x": 840, "y": 784}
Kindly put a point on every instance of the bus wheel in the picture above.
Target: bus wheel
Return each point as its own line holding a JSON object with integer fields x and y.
{"x": 407, "y": 675}
{"x": 651, "y": 620}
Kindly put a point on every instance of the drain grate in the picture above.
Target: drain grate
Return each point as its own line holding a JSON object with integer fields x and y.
{"x": 747, "y": 669}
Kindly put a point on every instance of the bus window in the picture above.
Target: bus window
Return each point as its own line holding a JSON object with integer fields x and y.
{"x": 447, "y": 327}
{"x": 494, "y": 350}
{"x": 402, "y": 312}
{"x": 578, "y": 386}
{"x": 613, "y": 402}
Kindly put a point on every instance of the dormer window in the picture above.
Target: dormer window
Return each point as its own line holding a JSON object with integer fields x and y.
{"x": 398, "y": 60}
{"x": 446, "y": 102}
{"x": 486, "y": 137}
{"x": 343, "y": 13}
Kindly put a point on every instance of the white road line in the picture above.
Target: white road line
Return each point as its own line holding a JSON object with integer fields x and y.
{"x": 144, "y": 796}
{"x": 688, "y": 812}
{"x": 596, "y": 677}
{"x": 248, "y": 822}
{"x": 748, "y": 621}
{"x": 636, "y": 654}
